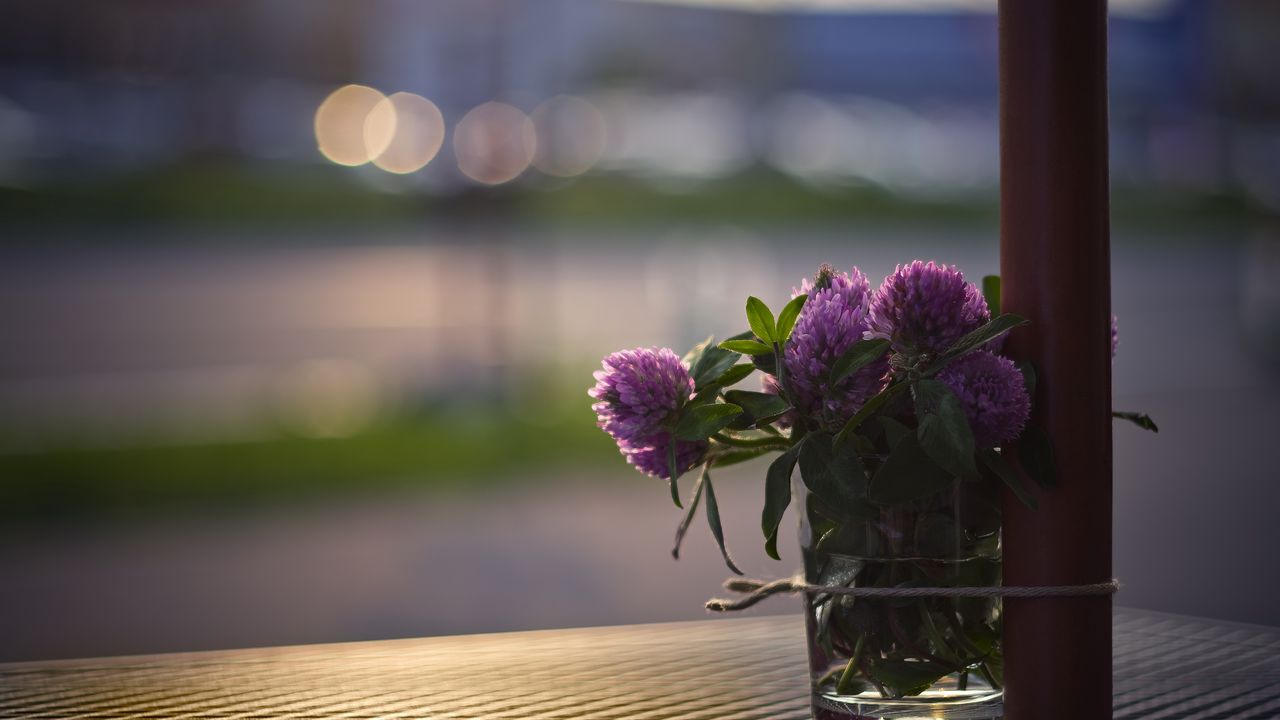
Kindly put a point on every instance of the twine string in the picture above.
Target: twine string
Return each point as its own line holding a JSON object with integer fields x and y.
{"x": 753, "y": 591}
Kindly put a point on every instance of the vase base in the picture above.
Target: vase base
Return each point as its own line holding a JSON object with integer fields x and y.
{"x": 930, "y": 705}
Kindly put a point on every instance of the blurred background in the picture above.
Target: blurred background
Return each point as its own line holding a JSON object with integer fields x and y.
{"x": 299, "y": 300}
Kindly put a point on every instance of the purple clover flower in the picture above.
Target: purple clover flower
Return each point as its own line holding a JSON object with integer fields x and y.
{"x": 925, "y": 308}
{"x": 638, "y": 391}
{"x": 650, "y": 455}
{"x": 1115, "y": 337}
{"x": 833, "y": 318}
{"x": 992, "y": 392}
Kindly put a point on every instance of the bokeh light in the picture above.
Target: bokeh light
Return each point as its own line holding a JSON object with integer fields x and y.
{"x": 494, "y": 143}
{"x": 571, "y": 136}
{"x": 682, "y": 137}
{"x": 418, "y": 132}
{"x": 380, "y": 127}
{"x": 348, "y": 132}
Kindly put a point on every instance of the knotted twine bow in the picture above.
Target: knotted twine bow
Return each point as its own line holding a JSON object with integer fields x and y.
{"x": 756, "y": 590}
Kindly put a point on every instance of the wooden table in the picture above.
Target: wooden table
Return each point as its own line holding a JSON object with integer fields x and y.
{"x": 1166, "y": 666}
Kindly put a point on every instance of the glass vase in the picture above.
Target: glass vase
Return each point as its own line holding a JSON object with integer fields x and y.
{"x": 926, "y": 657}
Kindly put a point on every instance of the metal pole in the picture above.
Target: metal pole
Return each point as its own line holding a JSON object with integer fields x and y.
{"x": 1055, "y": 263}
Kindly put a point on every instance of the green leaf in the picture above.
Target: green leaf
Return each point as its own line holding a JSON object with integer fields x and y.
{"x": 904, "y": 678}
{"x": 936, "y": 535}
{"x": 771, "y": 547}
{"x": 734, "y": 375}
{"x": 1142, "y": 420}
{"x": 1003, "y": 470}
{"x": 983, "y": 638}
{"x": 703, "y": 421}
{"x": 758, "y": 408}
{"x": 739, "y": 455}
{"x": 708, "y": 361}
{"x": 777, "y": 496}
{"x": 767, "y": 362}
{"x": 894, "y": 431}
{"x": 683, "y": 527}
{"x": 760, "y": 318}
{"x": 850, "y": 538}
{"x": 855, "y": 686}
{"x": 944, "y": 431}
{"x": 832, "y": 472}
{"x": 863, "y": 445}
{"x": 746, "y": 347}
{"x": 839, "y": 574}
{"x": 858, "y": 356}
{"x": 713, "y": 519}
{"x": 991, "y": 292}
{"x": 765, "y": 437}
{"x": 869, "y": 407}
{"x": 978, "y": 506}
{"x": 907, "y": 474}
{"x": 996, "y": 327}
{"x": 708, "y": 392}
{"x": 787, "y": 318}
{"x": 1035, "y": 454}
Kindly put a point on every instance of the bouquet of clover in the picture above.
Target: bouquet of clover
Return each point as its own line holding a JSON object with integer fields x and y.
{"x": 897, "y": 408}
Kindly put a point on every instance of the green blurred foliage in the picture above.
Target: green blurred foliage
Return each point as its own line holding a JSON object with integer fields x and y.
{"x": 218, "y": 194}
{"x": 459, "y": 451}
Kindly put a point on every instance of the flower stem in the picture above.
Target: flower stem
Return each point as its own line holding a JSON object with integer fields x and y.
{"x": 986, "y": 673}
{"x": 938, "y": 641}
{"x": 957, "y": 631}
{"x": 905, "y": 643}
{"x": 780, "y": 369}
{"x": 850, "y": 670}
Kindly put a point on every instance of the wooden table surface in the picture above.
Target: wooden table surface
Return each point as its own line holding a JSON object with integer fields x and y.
{"x": 1166, "y": 666}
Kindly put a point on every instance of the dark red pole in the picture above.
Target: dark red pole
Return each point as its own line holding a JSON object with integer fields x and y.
{"x": 1055, "y": 263}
